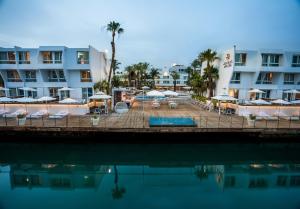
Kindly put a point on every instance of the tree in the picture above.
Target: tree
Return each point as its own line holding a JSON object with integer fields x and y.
{"x": 115, "y": 29}
{"x": 116, "y": 81}
{"x": 141, "y": 73}
{"x": 117, "y": 192}
{"x": 131, "y": 75}
{"x": 196, "y": 64}
{"x": 115, "y": 64}
{"x": 211, "y": 74}
{"x": 101, "y": 86}
{"x": 154, "y": 74}
{"x": 175, "y": 77}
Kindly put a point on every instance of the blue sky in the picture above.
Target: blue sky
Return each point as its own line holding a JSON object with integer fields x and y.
{"x": 161, "y": 32}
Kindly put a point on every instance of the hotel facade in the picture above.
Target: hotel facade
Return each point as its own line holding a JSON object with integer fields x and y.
{"x": 165, "y": 80}
{"x": 49, "y": 68}
{"x": 272, "y": 71}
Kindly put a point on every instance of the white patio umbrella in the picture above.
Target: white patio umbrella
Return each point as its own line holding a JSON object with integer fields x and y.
{"x": 65, "y": 89}
{"x": 260, "y": 102}
{"x": 293, "y": 92}
{"x": 99, "y": 93}
{"x": 69, "y": 101}
{"x": 25, "y": 100}
{"x": 145, "y": 88}
{"x": 27, "y": 89}
{"x": 256, "y": 91}
{"x": 170, "y": 93}
{"x": 280, "y": 102}
{"x": 102, "y": 96}
{"x": 46, "y": 99}
{"x": 225, "y": 98}
{"x": 155, "y": 94}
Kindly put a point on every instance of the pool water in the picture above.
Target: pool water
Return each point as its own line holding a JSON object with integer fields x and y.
{"x": 171, "y": 122}
{"x": 148, "y": 98}
{"x": 149, "y": 176}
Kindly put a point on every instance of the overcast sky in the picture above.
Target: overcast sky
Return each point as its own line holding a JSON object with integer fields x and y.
{"x": 161, "y": 32}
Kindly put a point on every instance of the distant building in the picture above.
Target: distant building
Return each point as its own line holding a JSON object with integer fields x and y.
{"x": 165, "y": 80}
{"x": 272, "y": 71}
{"x": 49, "y": 68}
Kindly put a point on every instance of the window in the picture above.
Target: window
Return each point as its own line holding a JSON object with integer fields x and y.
{"x": 166, "y": 82}
{"x": 86, "y": 93}
{"x": 7, "y": 58}
{"x": 265, "y": 78}
{"x": 52, "y": 57}
{"x": 82, "y": 57}
{"x": 258, "y": 183}
{"x": 30, "y": 76}
{"x": 166, "y": 77}
{"x": 270, "y": 60}
{"x": 240, "y": 59}
{"x": 64, "y": 95}
{"x": 13, "y": 76}
{"x": 53, "y": 92}
{"x": 177, "y": 82}
{"x": 266, "y": 95}
{"x": 56, "y": 76}
{"x": 32, "y": 94}
{"x": 157, "y": 82}
{"x": 85, "y": 76}
{"x": 24, "y": 58}
{"x": 15, "y": 92}
{"x": 289, "y": 79}
{"x": 236, "y": 78}
{"x": 296, "y": 61}
{"x": 185, "y": 77}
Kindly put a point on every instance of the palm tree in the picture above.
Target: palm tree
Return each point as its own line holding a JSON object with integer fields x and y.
{"x": 116, "y": 81}
{"x": 115, "y": 64}
{"x": 101, "y": 86}
{"x": 154, "y": 73}
{"x": 175, "y": 77}
{"x": 211, "y": 74}
{"x": 117, "y": 192}
{"x": 115, "y": 29}
{"x": 141, "y": 72}
{"x": 196, "y": 64}
{"x": 131, "y": 75}
{"x": 197, "y": 83}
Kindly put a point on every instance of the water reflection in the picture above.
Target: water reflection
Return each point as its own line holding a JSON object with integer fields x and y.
{"x": 37, "y": 183}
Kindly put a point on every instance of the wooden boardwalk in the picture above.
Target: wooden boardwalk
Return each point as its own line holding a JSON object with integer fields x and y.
{"x": 138, "y": 117}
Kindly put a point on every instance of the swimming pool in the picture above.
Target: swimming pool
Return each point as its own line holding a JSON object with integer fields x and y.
{"x": 171, "y": 122}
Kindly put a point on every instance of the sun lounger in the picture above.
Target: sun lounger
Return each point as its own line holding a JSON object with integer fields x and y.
{"x": 59, "y": 115}
{"x": 39, "y": 114}
{"x": 15, "y": 114}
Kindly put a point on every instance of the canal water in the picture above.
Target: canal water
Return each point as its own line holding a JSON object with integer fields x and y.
{"x": 232, "y": 176}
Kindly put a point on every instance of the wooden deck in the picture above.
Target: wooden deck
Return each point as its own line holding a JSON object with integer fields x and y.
{"x": 138, "y": 117}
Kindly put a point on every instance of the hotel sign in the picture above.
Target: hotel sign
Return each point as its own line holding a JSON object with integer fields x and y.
{"x": 228, "y": 61}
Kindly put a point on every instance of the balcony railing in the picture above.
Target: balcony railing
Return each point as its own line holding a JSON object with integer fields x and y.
{"x": 83, "y": 62}
{"x": 264, "y": 82}
{"x": 7, "y": 61}
{"x": 235, "y": 81}
{"x": 288, "y": 82}
{"x": 296, "y": 65}
{"x": 270, "y": 64}
{"x": 56, "y": 80}
{"x": 30, "y": 80}
{"x": 240, "y": 64}
{"x": 52, "y": 61}
{"x": 86, "y": 80}
{"x": 24, "y": 62}
{"x": 14, "y": 80}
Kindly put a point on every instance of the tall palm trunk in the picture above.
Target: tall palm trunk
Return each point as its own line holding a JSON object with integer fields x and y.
{"x": 174, "y": 82}
{"x": 113, "y": 47}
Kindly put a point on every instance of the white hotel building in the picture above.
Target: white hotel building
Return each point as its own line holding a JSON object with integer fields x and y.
{"x": 49, "y": 68}
{"x": 272, "y": 71}
{"x": 165, "y": 80}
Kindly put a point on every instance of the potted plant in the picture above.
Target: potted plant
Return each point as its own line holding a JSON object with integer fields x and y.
{"x": 95, "y": 120}
{"x": 251, "y": 120}
{"x": 21, "y": 119}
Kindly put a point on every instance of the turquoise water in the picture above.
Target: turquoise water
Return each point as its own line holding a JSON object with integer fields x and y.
{"x": 149, "y": 176}
{"x": 171, "y": 122}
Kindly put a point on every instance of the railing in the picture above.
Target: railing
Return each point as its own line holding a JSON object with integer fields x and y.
{"x": 86, "y": 79}
{"x": 141, "y": 121}
{"x": 24, "y": 62}
{"x": 52, "y": 61}
{"x": 14, "y": 80}
{"x": 7, "y": 61}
